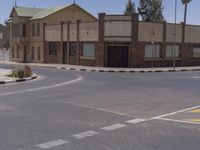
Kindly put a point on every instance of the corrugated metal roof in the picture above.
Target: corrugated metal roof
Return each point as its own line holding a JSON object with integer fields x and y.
{"x": 40, "y": 13}
{"x": 48, "y": 12}
{"x": 27, "y": 12}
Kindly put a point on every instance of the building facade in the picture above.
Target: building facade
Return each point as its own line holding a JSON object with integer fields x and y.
{"x": 70, "y": 35}
{"x": 4, "y": 36}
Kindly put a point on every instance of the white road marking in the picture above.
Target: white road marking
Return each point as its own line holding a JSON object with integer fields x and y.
{"x": 176, "y": 112}
{"x": 114, "y": 112}
{"x": 42, "y": 88}
{"x": 113, "y": 127}
{"x": 195, "y": 77}
{"x": 51, "y": 144}
{"x": 135, "y": 121}
{"x": 179, "y": 121}
{"x": 84, "y": 134}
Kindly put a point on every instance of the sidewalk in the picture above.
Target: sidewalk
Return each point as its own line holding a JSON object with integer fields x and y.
{"x": 3, "y": 73}
{"x": 4, "y": 79}
{"x": 105, "y": 69}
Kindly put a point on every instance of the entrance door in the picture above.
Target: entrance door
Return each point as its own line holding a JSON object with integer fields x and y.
{"x": 117, "y": 56}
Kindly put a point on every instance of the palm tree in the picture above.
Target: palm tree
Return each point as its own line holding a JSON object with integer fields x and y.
{"x": 185, "y": 2}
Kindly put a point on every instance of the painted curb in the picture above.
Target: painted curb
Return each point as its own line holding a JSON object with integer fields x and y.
{"x": 119, "y": 71}
{"x": 34, "y": 76}
{"x": 107, "y": 70}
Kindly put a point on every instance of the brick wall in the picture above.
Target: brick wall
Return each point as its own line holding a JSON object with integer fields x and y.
{"x": 136, "y": 50}
{"x": 53, "y": 58}
{"x": 87, "y": 62}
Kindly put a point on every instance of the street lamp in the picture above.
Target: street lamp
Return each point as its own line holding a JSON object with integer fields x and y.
{"x": 174, "y": 59}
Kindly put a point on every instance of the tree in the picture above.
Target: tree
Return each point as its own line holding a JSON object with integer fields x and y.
{"x": 151, "y": 10}
{"x": 185, "y": 2}
{"x": 130, "y": 8}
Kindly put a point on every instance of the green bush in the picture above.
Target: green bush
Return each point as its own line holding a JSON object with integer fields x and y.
{"x": 20, "y": 73}
{"x": 25, "y": 72}
{"x": 13, "y": 74}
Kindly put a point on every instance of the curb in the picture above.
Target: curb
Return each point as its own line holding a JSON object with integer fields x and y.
{"x": 118, "y": 71}
{"x": 110, "y": 70}
{"x": 19, "y": 80}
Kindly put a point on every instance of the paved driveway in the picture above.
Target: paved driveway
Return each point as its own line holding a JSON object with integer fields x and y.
{"x": 71, "y": 110}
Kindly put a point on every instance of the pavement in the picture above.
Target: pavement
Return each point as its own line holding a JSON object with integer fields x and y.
{"x": 4, "y": 79}
{"x": 70, "y": 110}
{"x": 107, "y": 69}
{"x": 3, "y": 73}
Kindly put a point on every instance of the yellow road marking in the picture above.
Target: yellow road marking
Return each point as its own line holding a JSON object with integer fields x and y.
{"x": 193, "y": 120}
{"x": 195, "y": 111}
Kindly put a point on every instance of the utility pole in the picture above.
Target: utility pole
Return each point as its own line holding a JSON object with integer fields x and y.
{"x": 74, "y": 1}
{"x": 174, "y": 48}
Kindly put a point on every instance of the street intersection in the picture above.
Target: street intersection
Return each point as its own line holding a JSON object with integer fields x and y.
{"x": 70, "y": 110}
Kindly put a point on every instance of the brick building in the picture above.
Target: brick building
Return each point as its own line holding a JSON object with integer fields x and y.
{"x": 71, "y": 35}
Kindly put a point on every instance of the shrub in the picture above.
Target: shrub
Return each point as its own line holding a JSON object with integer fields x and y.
{"x": 13, "y": 74}
{"x": 21, "y": 73}
{"x": 27, "y": 71}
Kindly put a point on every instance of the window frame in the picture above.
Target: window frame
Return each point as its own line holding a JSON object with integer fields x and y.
{"x": 72, "y": 49}
{"x": 172, "y": 51}
{"x": 38, "y": 52}
{"x": 24, "y": 30}
{"x": 18, "y": 52}
{"x": 16, "y": 30}
{"x": 154, "y": 56}
{"x": 38, "y": 29}
{"x": 196, "y": 47}
{"x": 82, "y": 51}
{"x": 55, "y": 46}
{"x": 33, "y": 52}
{"x": 33, "y": 29}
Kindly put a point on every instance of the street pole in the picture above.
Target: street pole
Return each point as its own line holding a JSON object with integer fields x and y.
{"x": 152, "y": 56}
{"x": 174, "y": 59}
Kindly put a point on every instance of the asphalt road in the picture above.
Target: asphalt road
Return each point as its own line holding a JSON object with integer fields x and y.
{"x": 71, "y": 110}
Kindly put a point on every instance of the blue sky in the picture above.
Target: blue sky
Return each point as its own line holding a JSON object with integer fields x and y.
{"x": 108, "y": 6}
